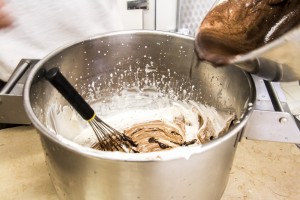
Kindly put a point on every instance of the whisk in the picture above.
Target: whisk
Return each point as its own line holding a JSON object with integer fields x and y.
{"x": 109, "y": 138}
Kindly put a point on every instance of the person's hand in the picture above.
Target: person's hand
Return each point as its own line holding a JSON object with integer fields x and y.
{"x": 5, "y": 20}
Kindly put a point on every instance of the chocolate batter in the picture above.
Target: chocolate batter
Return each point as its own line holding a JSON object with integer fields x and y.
{"x": 158, "y": 135}
{"x": 238, "y": 26}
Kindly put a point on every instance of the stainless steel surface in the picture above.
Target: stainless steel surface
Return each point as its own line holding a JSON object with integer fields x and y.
{"x": 11, "y": 96}
{"x": 271, "y": 119}
{"x": 13, "y": 79}
{"x": 272, "y": 126}
{"x": 82, "y": 173}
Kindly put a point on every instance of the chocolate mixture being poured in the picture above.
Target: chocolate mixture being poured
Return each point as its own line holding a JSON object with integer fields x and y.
{"x": 236, "y": 27}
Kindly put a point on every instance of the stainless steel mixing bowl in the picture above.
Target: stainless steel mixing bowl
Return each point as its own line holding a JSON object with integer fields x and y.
{"x": 81, "y": 173}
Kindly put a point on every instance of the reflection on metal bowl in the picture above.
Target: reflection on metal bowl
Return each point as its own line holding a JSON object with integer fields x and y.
{"x": 77, "y": 172}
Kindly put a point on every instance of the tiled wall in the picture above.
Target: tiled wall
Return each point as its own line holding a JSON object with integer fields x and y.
{"x": 192, "y": 13}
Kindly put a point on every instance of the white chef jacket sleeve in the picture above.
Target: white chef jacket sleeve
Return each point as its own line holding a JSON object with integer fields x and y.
{"x": 40, "y": 27}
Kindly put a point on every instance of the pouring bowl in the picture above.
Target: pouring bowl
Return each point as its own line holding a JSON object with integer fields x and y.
{"x": 262, "y": 38}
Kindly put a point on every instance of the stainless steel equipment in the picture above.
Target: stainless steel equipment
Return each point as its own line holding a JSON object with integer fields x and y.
{"x": 82, "y": 173}
{"x": 11, "y": 95}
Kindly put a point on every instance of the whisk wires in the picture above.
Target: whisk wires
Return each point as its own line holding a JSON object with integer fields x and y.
{"x": 109, "y": 139}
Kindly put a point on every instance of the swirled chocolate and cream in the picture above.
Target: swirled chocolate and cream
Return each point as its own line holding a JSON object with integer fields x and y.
{"x": 156, "y": 124}
{"x": 158, "y": 110}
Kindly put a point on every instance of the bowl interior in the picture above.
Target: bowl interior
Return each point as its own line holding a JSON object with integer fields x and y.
{"x": 144, "y": 62}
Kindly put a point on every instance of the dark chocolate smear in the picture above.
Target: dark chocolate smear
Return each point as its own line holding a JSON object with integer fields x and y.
{"x": 155, "y": 136}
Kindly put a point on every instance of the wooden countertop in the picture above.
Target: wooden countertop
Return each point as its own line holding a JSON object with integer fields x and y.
{"x": 261, "y": 170}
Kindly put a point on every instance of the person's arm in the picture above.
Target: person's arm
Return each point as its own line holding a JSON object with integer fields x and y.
{"x": 5, "y": 20}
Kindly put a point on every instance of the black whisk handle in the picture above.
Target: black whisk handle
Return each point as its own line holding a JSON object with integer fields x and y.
{"x": 55, "y": 77}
